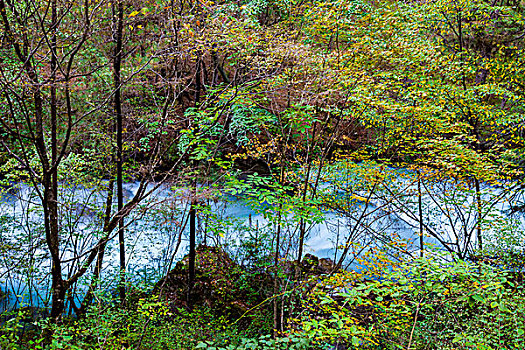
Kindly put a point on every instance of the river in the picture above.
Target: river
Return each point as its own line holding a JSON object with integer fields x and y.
{"x": 153, "y": 231}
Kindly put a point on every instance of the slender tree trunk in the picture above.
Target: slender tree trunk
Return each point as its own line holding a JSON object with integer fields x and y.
{"x": 51, "y": 225}
{"x": 276, "y": 312}
{"x": 118, "y": 13}
{"x": 479, "y": 213}
{"x": 420, "y": 210}
{"x": 95, "y": 280}
{"x": 277, "y": 324}
{"x": 192, "y": 257}
{"x": 193, "y": 209}
{"x": 302, "y": 222}
{"x": 51, "y": 186}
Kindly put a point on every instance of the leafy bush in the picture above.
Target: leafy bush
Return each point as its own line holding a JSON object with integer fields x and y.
{"x": 264, "y": 342}
{"x": 150, "y": 324}
{"x": 425, "y": 304}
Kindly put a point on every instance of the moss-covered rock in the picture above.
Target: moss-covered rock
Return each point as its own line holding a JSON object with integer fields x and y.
{"x": 220, "y": 284}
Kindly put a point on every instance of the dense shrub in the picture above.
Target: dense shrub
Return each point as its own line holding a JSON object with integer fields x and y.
{"x": 151, "y": 324}
{"x": 425, "y": 304}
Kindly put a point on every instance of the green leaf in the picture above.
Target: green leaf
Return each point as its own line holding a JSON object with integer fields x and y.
{"x": 355, "y": 341}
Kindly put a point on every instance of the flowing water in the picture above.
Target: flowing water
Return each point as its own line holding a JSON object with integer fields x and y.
{"x": 157, "y": 233}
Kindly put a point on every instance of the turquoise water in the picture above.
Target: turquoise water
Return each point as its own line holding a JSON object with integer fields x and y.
{"x": 156, "y": 233}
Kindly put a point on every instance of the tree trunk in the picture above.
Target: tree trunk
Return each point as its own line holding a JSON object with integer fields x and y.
{"x": 118, "y": 15}
{"x": 479, "y": 214}
{"x": 192, "y": 254}
{"x": 51, "y": 187}
{"x": 420, "y": 210}
{"x": 193, "y": 210}
{"x": 276, "y": 311}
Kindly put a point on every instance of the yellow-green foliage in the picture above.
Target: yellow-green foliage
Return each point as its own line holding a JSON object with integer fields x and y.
{"x": 422, "y": 304}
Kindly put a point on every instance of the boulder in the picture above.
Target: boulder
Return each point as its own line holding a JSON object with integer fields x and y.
{"x": 312, "y": 265}
{"x": 220, "y": 284}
